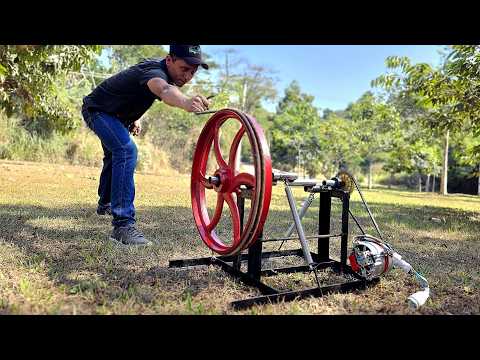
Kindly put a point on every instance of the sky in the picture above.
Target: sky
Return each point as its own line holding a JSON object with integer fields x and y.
{"x": 335, "y": 75}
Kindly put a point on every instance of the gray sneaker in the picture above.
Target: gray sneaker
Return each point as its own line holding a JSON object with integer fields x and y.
{"x": 129, "y": 235}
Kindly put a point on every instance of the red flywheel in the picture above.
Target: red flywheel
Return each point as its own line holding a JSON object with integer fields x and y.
{"x": 226, "y": 181}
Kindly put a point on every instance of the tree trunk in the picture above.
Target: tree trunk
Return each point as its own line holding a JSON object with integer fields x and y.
{"x": 444, "y": 178}
{"x": 433, "y": 183}
{"x": 298, "y": 161}
{"x": 390, "y": 181}
{"x": 369, "y": 175}
{"x": 427, "y": 184}
{"x": 227, "y": 74}
{"x": 244, "y": 95}
{"x": 238, "y": 157}
{"x": 419, "y": 183}
{"x": 478, "y": 190}
{"x": 93, "y": 79}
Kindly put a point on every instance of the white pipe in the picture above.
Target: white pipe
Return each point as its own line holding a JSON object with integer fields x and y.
{"x": 420, "y": 297}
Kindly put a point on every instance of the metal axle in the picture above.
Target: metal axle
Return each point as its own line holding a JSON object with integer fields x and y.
{"x": 214, "y": 180}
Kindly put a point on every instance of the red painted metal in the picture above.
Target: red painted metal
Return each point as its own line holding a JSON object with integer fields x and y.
{"x": 230, "y": 180}
{"x": 353, "y": 263}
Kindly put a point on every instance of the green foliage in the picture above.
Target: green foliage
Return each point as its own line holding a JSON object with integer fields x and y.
{"x": 16, "y": 143}
{"x": 374, "y": 129}
{"x": 174, "y": 131}
{"x": 466, "y": 147}
{"x": 294, "y": 135}
{"x": 28, "y": 81}
{"x": 123, "y": 56}
{"x": 42, "y": 87}
{"x": 463, "y": 66}
{"x": 375, "y": 125}
{"x": 247, "y": 85}
{"x": 414, "y": 148}
{"x": 448, "y": 97}
{"x": 450, "y": 92}
{"x": 336, "y": 145}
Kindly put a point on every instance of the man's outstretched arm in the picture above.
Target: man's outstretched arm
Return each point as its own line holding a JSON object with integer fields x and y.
{"x": 172, "y": 96}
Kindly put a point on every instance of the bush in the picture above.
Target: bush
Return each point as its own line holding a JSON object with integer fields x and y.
{"x": 150, "y": 158}
{"x": 80, "y": 148}
{"x": 16, "y": 143}
{"x": 84, "y": 148}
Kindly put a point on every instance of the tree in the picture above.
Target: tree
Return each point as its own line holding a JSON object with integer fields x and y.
{"x": 28, "y": 87}
{"x": 326, "y": 113}
{"x": 465, "y": 151}
{"x": 463, "y": 67}
{"x": 375, "y": 125}
{"x": 435, "y": 90}
{"x": 415, "y": 148}
{"x": 294, "y": 130}
{"x": 246, "y": 86}
{"x": 123, "y": 56}
{"x": 336, "y": 146}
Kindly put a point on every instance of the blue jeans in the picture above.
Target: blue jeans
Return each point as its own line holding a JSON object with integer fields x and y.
{"x": 116, "y": 186}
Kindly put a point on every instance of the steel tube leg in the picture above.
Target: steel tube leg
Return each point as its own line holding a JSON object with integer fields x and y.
{"x": 255, "y": 258}
{"x": 344, "y": 241}
{"x": 324, "y": 214}
{"x": 301, "y": 234}
{"x": 241, "y": 211}
{"x": 306, "y": 204}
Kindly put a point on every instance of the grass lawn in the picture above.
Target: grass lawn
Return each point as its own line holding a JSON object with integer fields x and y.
{"x": 55, "y": 257}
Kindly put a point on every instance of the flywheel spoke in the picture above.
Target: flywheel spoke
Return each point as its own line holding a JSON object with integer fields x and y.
{"x": 218, "y": 213}
{"x": 216, "y": 148}
{"x": 232, "y": 204}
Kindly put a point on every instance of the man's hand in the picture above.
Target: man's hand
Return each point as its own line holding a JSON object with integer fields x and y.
{"x": 197, "y": 103}
{"x": 172, "y": 96}
{"x": 136, "y": 128}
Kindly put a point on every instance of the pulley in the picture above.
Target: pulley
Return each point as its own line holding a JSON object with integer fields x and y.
{"x": 227, "y": 181}
{"x": 342, "y": 181}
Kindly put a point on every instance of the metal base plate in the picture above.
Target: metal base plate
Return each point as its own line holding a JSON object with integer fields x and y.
{"x": 272, "y": 295}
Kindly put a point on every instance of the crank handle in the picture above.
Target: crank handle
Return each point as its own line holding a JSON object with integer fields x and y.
{"x": 205, "y": 112}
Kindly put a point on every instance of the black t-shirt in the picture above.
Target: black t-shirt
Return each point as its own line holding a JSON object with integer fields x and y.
{"x": 126, "y": 94}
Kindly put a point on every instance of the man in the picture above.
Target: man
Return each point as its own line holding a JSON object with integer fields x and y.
{"x": 114, "y": 108}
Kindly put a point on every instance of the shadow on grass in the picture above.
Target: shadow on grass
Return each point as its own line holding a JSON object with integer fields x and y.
{"x": 72, "y": 244}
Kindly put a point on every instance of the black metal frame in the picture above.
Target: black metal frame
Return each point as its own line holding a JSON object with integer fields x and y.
{"x": 322, "y": 258}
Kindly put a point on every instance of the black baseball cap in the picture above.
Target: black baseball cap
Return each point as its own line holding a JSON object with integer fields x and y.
{"x": 192, "y": 54}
